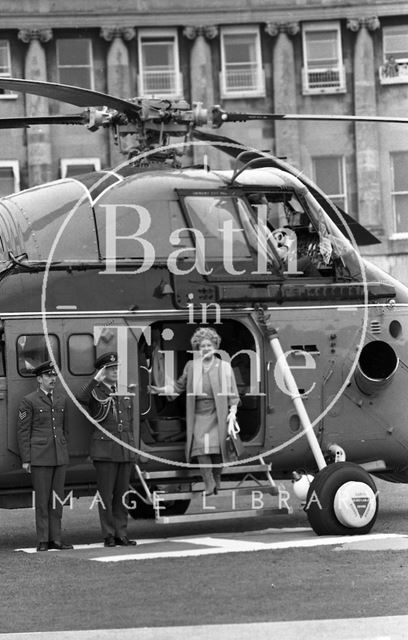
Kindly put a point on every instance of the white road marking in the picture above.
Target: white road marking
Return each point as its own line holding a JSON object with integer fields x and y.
{"x": 378, "y": 628}
{"x": 226, "y": 545}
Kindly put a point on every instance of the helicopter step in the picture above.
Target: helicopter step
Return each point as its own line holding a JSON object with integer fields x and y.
{"x": 183, "y": 473}
{"x": 220, "y": 515}
{"x": 238, "y": 490}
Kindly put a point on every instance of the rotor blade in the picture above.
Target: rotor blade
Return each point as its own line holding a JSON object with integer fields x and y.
{"x": 23, "y": 121}
{"x": 229, "y": 146}
{"x": 243, "y": 117}
{"x": 361, "y": 234}
{"x": 67, "y": 93}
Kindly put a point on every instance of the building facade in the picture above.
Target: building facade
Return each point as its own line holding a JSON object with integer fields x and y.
{"x": 307, "y": 57}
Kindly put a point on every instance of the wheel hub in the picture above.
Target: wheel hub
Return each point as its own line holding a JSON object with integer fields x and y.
{"x": 355, "y": 504}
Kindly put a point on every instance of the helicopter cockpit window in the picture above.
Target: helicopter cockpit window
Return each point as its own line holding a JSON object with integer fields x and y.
{"x": 230, "y": 233}
{"x": 301, "y": 243}
{"x": 157, "y": 218}
{"x": 210, "y": 215}
{"x": 32, "y": 350}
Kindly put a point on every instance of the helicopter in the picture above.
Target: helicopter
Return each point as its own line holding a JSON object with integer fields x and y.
{"x": 134, "y": 258}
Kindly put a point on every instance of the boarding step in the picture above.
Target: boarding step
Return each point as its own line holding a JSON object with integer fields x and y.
{"x": 183, "y": 473}
{"x": 221, "y": 515}
{"x": 238, "y": 491}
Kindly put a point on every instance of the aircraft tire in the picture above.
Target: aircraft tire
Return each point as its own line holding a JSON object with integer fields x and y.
{"x": 342, "y": 500}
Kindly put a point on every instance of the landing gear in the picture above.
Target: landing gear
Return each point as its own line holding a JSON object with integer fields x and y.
{"x": 342, "y": 500}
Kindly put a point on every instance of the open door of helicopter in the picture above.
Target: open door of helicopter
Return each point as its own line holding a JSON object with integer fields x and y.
{"x": 163, "y": 426}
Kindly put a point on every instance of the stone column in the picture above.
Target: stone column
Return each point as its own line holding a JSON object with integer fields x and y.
{"x": 118, "y": 74}
{"x": 201, "y": 74}
{"x": 366, "y": 133}
{"x": 38, "y": 136}
{"x": 287, "y": 139}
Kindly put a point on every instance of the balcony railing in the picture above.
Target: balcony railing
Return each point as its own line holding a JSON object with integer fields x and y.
{"x": 394, "y": 73}
{"x": 242, "y": 80}
{"x": 332, "y": 80}
{"x": 161, "y": 82}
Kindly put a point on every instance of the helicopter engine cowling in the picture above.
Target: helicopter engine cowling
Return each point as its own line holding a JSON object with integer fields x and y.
{"x": 376, "y": 367}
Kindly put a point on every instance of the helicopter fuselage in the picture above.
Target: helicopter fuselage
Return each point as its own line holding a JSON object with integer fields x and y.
{"x": 135, "y": 263}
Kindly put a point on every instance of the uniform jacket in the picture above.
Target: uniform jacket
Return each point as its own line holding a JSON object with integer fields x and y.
{"x": 115, "y": 414}
{"x": 41, "y": 429}
{"x": 225, "y": 393}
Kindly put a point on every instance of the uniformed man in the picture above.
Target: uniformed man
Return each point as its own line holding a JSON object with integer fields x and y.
{"x": 42, "y": 441}
{"x": 112, "y": 461}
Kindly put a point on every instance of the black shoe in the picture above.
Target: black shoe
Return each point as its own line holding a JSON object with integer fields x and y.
{"x": 42, "y": 546}
{"x": 109, "y": 541}
{"x": 125, "y": 542}
{"x": 59, "y": 546}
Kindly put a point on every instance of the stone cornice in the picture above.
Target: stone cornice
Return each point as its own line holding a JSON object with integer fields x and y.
{"x": 99, "y": 13}
{"x": 27, "y": 35}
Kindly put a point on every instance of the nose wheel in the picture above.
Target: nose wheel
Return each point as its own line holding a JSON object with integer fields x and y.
{"x": 342, "y": 500}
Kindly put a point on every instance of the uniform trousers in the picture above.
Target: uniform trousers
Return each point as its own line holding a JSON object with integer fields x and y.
{"x": 112, "y": 479}
{"x": 48, "y": 484}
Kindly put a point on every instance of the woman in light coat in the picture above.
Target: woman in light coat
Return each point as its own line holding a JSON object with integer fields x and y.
{"x": 212, "y": 399}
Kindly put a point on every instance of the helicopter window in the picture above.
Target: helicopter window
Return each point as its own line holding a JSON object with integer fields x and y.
{"x": 164, "y": 217}
{"x": 32, "y": 350}
{"x": 81, "y": 354}
{"x": 209, "y": 214}
{"x": 74, "y": 61}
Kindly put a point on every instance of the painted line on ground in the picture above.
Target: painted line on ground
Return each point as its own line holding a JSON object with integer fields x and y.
{"x": 378, "y": 628}
{"x": 212, "y": 546}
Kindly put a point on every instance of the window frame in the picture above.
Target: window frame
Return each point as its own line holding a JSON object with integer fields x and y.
{"x": 259, "y": 90}
{"x": 65, "y": 163}
{"x": 81, "y": 66}
{"x": 342, "y": 166}
{"x": 15, "y": 167}
{"x": 395, "y": 235}
{"x": 177, "y": 88}
{"x": 7, "y": 95}
{"x": 58, "y": 354}
{"x": 400, "y": 74}
{"x": 313, "y": 27}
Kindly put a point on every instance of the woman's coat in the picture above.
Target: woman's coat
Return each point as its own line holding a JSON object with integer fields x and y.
{"x": 225, "y": 393}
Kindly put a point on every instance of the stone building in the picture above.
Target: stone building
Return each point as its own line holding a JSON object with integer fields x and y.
{"x": 304, "y": 56}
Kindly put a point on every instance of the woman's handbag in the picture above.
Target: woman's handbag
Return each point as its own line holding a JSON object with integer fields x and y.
{"x": 233, "y": 443}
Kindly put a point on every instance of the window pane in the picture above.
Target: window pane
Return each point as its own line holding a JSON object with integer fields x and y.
{"x": 401, "y": 213}
{"x": 73, "y": 52}
{"x": 165, "y": 217}
{"x": 209, "y": 214}
{"x": 240, "y": 48}
{"x": 32, "y": 350}
{"x": 78, "y": 169}
{"x": 160, "y": 54}
{"x": 7, "y": 182}
{"x": 328, "y": 174}
{"x": 81, "y": 354}
{"x": 4, "y": 57}
{"x": 321, "y": 48}
{"x": 400, "y": 170}
{"x": 396, "y": 42}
